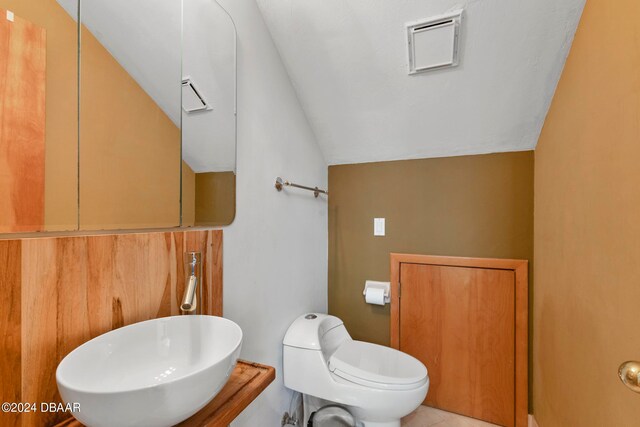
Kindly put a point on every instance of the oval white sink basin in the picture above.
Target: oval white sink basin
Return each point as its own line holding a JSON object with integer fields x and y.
{"x": 153, "y": 373}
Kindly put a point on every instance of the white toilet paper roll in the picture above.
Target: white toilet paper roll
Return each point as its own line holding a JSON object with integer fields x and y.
{"x": 374, "y": 296}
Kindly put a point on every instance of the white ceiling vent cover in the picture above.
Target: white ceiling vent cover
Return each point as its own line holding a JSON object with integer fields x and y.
{"x": 192, "y": 98}
{"x": 433, "y": 43}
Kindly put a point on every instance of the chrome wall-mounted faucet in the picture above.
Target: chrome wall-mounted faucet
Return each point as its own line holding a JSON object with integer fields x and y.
{"x": 193, "y": 269}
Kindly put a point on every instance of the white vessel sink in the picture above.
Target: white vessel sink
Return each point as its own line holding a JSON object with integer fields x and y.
{"x": 153, "y": 373}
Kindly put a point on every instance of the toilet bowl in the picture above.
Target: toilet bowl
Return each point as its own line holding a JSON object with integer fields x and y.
{"x": 377, "y": 384}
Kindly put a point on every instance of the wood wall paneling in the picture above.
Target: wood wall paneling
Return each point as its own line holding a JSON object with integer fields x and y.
{"x": 42, "y": 277}
{"x": 68, "y": 290}
{"x": 10, "y": 325}
{"x": 22, "y": 127}
{"x": 466, "y": 320}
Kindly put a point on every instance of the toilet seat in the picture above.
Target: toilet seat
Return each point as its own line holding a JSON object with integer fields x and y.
{"x": 376, "y": 366}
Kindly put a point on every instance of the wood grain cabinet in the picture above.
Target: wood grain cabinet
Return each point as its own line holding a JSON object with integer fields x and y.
{"x": 466, "y": 320}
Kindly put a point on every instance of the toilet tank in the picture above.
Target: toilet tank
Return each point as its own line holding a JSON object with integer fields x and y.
{"x": 307, "y": 346}
{"x": 316, "y": 331}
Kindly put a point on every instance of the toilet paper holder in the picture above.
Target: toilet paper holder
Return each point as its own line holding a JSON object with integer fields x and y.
{"x": 385, "y": 286}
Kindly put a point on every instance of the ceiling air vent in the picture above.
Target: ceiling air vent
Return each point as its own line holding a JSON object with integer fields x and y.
{"x": 192, "y": 98}
{"x": 433, "y": 43}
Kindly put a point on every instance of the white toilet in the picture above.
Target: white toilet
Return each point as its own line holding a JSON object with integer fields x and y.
{"x": 377, "y": 384}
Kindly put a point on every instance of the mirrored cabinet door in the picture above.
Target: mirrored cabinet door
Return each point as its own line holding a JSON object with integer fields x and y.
{"x": 208, "y": 115}
{"x": 130, "y": 90}
{"x": 116, "y": 115}
{"x": 38, "y": 116}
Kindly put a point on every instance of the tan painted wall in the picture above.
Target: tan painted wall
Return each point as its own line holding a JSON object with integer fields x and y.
{"x": 587, "y": 227}
{"x": 130, "y": 152}
{"x": 188, "y": 196}
{"x": 479, "y": 206}
{"x": 215, "y": 198}
{"x": 61, "y": 108}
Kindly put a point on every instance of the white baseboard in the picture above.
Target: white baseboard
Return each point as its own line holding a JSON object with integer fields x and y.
{"x": 532, "y": 421}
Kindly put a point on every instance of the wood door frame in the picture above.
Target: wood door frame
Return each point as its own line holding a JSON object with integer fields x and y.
{"x": 521, "y": 271}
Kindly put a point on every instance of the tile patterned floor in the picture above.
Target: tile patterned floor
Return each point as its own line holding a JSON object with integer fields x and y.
{"x": 425, "y": 416}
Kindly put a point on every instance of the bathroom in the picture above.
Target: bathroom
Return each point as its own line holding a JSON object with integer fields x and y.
{"x": 441, "y": 190}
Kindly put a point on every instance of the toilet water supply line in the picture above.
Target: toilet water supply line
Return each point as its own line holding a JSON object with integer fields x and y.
{"x": 296, "y": 411}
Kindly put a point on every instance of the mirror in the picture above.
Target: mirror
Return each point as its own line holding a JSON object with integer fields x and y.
{"x": 153, "y": 142}
{"x": 39, "y": 116}
{"x": 130, "y": 74}
{"x": 208, "y": 114}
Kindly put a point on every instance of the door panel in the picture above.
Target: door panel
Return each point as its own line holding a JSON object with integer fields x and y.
{"x": 460, "y": 322}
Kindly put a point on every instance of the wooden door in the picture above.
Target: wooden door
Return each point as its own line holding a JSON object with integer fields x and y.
{"x": 22, "y": 124}
{"x": 463, "y": 318}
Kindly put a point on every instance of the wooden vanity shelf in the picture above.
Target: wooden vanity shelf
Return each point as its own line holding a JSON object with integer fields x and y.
{"x": 247, "y": 381}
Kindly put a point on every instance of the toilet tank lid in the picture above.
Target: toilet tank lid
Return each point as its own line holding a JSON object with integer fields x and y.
{"x": 307, "y": 330}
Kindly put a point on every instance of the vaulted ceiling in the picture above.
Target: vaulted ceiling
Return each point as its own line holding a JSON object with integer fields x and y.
{"x": 348, "y": 62}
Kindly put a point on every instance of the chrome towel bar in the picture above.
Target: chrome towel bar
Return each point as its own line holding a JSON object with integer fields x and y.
{"x": 280, "y": 183}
